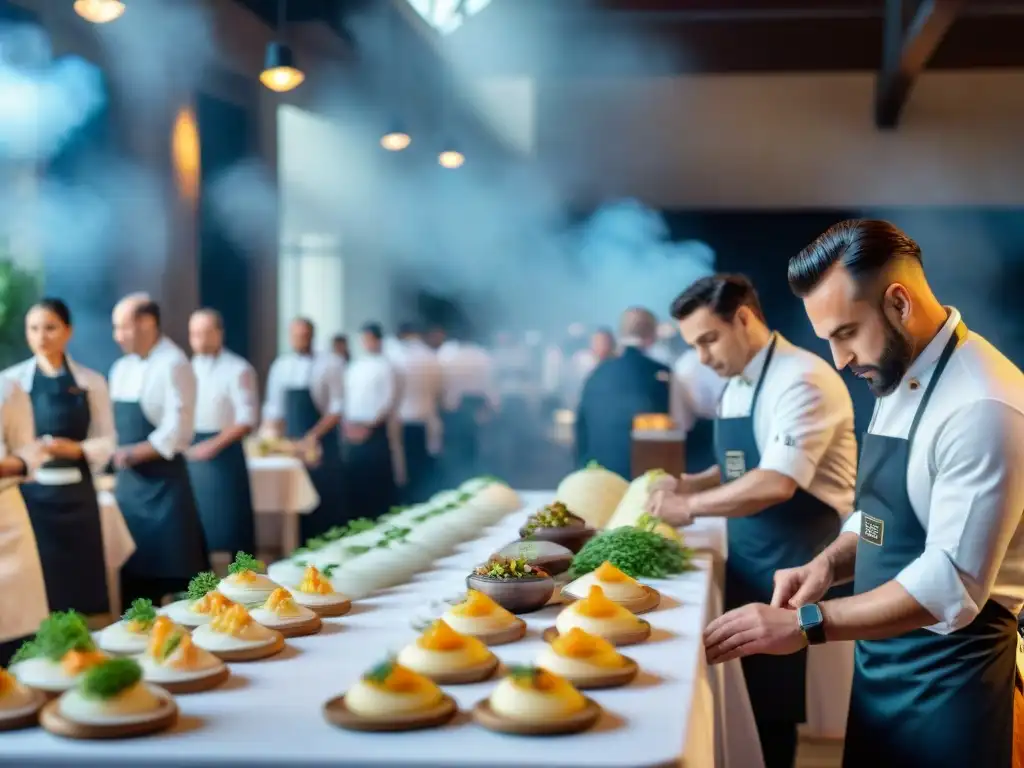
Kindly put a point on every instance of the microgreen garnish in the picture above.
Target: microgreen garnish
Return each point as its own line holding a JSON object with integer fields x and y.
{"x": 109, "y": 678}
{"x": 329, "y": 569}
{"x": 58, "y": 634}
{"x": 509, "y": 568}
{"x": 637, "y": 553}
{"x": 555, "y": 515}
{"x": 170, "y": 645}
{"x": 357, "y": 550}
{"x": 380, "y": 672}
{"x": 525, "y": 673}
{"x": 201, "y": 583}
{"x": 594, "y": 464}
{"x": 245, "y": 562}
{"x": 141, "y": 613}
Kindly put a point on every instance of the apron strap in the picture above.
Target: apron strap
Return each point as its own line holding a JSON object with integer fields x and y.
{"x": 757, "y": 386}
{"x": 959, "y": 333}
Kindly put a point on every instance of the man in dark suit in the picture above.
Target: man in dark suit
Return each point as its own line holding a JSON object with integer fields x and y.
{"x": 619, "y": 389}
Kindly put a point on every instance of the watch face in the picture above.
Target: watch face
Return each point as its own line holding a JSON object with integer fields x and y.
{"x": 809, "y": 615}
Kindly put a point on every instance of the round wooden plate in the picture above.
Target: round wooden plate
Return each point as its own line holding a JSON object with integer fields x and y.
{"x": 336, "y": 712}
{"x": 581, "y": 721}
{"x": 310, "y": 626}
{"x": 199, "y": 685}
{"x": 625, "y": 676}
{"x": 624, "y": 638}
{"x": 253, "y": 654}
{"x": 650, "y": 600}
{"x": 510, "y": 634}
{"x": 54, "y": 721}
{"x": 331, "y": 610}
{"x": 466, "y": 676}
{"x": 27, "y": 719}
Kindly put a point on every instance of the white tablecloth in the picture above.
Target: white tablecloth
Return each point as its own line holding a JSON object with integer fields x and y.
{"x": 280, "y": 486}
{"x": 118, "y": 546}
{"x": 270, "y": 713}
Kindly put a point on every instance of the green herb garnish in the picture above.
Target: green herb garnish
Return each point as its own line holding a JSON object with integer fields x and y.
{"x": 361, "y": 524}
{"x": 201, "y": 583}
{"x": 329, "y": 569}
{"x": 108, "y": 679}
{"x": 170, "y": 645}
{"x": 593, "y": 464}
{"x": 525, "y": 673}
{"x": 59, "y": 633}
{"x": 141, "y": 613}
{"x": 509, "y": 569}
{"x": 637, "y": 553}
{"x": 379, "y": 673}
{"x": 27, "y": 650}
{"x": 555, "y": 515}
{"x": 357, "y": 550}
{"x": 245, "y": 562}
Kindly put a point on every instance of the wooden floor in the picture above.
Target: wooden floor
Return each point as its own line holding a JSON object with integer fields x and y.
{"x": 819, "y": 753}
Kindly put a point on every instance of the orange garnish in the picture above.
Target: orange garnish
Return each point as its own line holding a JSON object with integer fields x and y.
{"x": 76, "y": 662}
{"x": 212, "y": 604}
{"x": 440, "y": 637}
{"x": 476, "y": 605}
{"x": 609, "y": 573}
{"x": 596, "y": 605}
{"x": 313, "y": 583}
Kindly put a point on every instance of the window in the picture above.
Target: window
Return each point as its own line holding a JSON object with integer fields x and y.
{"x": 311, "y": 284}
{"x": 447, "y": 15}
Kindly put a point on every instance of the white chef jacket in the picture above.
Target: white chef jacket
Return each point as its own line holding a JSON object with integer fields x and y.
{"x": 466, "y": 369}
{"x": 420, "y": 376}
{"x": 965, "y": 478}
{"x": 101, "y": 440}
{"x": 371, "y": 389}
{"x": 696, "y": 390}
{"x": 225, "y": 392}
{"x": 322, "y": 374}
{"x": 23, "y": 602}
{"x": 165, "y": 387}
{"x": 803, "y": 422}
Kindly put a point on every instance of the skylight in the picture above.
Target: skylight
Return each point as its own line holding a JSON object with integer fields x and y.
{"x": 447, "y": 15}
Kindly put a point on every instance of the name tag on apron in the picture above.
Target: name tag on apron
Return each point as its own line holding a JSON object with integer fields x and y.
{"x": 872, "y": 530}
{"x": 735, "y": 464}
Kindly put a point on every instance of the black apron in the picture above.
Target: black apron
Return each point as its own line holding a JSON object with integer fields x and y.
{"x": 372, "y": 491}
{"x": 66, "y": 518}
{"x": 419, "y": 464}
{"x": 300, "y": 416}
{"x": 462, "y": 440}
{"x": 787, "y": 535}
{"x": 223, "y": 498}
{"x": 923, "y": 700}
{"x": 158, "y": 506}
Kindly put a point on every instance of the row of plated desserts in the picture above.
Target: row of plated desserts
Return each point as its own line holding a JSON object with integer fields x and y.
{"x": 121, "y": 681}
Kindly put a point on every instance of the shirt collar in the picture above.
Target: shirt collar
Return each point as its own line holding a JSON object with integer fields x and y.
{"x": 930, "y": 354}
{"x": 752, "y": 370}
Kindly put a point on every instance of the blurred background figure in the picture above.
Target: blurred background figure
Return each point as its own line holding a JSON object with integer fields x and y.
{"x": 339, "y": 346}
{"x": 695, "y": 395}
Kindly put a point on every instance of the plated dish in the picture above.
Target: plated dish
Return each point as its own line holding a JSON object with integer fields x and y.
{"x": 600, "y": 616}
{"x": 202, "y": 603}
{"x": 479, "y": 616}
{"x": 245, "y": 582}
{"x": 235, "y": 636}
{"x": 130, "y": 635}
{"x": 61, "y": 651}
{"x": 316, "y": 592}
{"x": 448, "y": 657}
{"x": 534, "y": 701}
{"x": 19, "y": 705}
{"x": 616, "y": 586}
{"x": 283, "y": 613}
{"x": 587, "y": 661}
{"x": 176, "y": 664}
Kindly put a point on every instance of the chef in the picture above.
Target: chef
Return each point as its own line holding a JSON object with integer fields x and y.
{"x": 371, "y": 397}
{"x": 418, "y": 412}
{"x": 936, "y": 549}
{"x": 22, "y": 589}
{"x": 227, "y": 408}
{"x": 694, "y": 407}
{"x": 153, "y": 390}
{"x": 784, "y": 476}
{"x": 304, "y": 402}
{"x": 72, "y": 414}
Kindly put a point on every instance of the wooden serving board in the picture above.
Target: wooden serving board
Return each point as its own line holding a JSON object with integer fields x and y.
{"x": 336, "y": 712}
{"x": 510, "y": 634}
{"x": 309, "y": 627}
{"x": 211, "y": 681}
{"x": 577, "y": 723}
{"x": 332, "y": 610}
{"x": 622, "y": 677}
{"x": 26, "y": 720}
{"x": 253, "y": 654}
{"x": 624, "y": 638}
{"x": 466, "y": 676}
{"x": 650, "y": 600}
{"x": 54, "y": 721}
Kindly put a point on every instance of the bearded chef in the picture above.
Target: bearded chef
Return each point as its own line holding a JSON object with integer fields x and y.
{"x": 936, "y": 548}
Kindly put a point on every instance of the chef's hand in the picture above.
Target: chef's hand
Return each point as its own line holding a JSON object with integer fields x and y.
{"x": 122, "y": 458}
{"x": 754, "y": 628}
{"x": 34, "y": 455}
{"x": 62, "y": 448}
{"x": 203, "y": 451}
{"x": 674, "y": 508}
{"x": 799, "y": 586}
{"x": 667, "y": 483}
{"x": 356, "y": 433}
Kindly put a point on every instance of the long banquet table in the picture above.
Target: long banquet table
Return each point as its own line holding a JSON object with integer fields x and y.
{"x": 269, "y": 713}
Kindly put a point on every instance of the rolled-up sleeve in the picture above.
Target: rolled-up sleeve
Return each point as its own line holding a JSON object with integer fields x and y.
{"x": 243, "y": 396}
{"x": 804, "y": 422}
{"x": 174, "y": 432}
{"x": 101, "y": 440}
{"x": 976, "y": 502}
{"x": 273, "y": 405}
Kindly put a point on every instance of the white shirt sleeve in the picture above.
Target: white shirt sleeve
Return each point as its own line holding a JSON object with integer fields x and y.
{"x": 273, "y": 405}
{"x": 244, "y": 400}
{"x": 19, "y": 429}
{"x": 804, "y": 421}
{"x": 101, "y": 441}
{"x": 333, "y": 383}
{"x": 391, "y": 390}
{"x": 976, "y": 503}
{"x": 177, "y": 422}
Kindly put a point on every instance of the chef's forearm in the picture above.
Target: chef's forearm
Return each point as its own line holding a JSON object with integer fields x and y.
{"x": 755, "y": 491}
{"x": 231, "y": 435}
{"x": 702, "y": 481}
{"x": 841, "y": 556}
{"x": 886, "y": 611}
{"x": 12, "y": 466}
{"x": 140, "y": 453}
{"x": 327, "y": 423}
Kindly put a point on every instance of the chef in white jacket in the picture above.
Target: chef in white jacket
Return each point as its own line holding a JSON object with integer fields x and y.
{"x": 470, "y": 397}
{"x": 22, "y": 589}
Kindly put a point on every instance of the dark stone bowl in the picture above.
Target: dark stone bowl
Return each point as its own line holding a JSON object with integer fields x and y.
{"x": 554, "y": 562}
{"x": 572, "y": 537}
{"x": 515, "y": 595}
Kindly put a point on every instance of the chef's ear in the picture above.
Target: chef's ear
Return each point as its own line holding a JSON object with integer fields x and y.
{"x": 896, "y": 304}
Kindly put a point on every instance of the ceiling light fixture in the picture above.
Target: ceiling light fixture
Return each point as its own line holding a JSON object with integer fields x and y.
{"x": 395, "y": 140}
{"x": 99, "y": 11}
{"x": 451, "y": 158}
{"x": 279, "y": 71}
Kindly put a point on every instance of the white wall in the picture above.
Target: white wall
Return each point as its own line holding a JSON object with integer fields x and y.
{"x": 785, "y": 141}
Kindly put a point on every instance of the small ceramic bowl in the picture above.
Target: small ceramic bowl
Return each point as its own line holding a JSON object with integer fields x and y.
{"x": 572, "y": 537}
{"x": 515, "y": 595}
{"x": 546, "y": 555}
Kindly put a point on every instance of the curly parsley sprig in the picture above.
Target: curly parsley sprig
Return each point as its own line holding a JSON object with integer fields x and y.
{"x": 636, "y": 552}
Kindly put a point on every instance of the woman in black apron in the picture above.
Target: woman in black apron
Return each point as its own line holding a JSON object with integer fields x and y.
{"x": 65, "y": 514}
{"x": 784, "y": 536}
{"x": 923, "y": 699}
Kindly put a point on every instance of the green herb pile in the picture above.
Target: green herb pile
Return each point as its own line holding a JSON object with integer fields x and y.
{"x": 636, "y": 552}
{"x": 245, "y": 562}
{"x": 141, "y": 612}
{"x": 106, "y": 680}
{"x": 555, "y": 515}
{"x": 510, "y": 568}
{"x": 59, "y": 633}
{"x": 201, "y": 583}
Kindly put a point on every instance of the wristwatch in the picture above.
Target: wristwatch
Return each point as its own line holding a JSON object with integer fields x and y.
{"x": 812, "y": 623}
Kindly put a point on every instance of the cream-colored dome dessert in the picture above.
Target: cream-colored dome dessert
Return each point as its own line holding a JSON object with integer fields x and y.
{"x": 580, "y": 654}
{"x": 441, "y": 651}
{"x": 535, "y": 695}
{"x": 130, "y": 635}
{"x": 316, "y": 591}
{"x": 391, "y": 689}
{"x": 478, "y": 615}
{"x": 615, "y": 584}
{"x": 202, "y": 604}
{"x": 599, "y": 616}
{"x": 233, "y": 630}
{"x": 59, "y": 654}
{"x": 172, "y": 657}
{"x": 245, "y": 583}
{"x": 15, "y": 698}
{"x": 281, "y": 611}
{"x": 112, "y": 693}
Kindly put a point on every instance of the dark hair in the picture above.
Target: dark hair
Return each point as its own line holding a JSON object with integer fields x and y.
{"x": 863, "y": 246}
{"x": 148, "y": 308}
{"x": 56, "y": 306}
{"x": 213, "y": 314}
{"x": 722, "y": 294}
{"x": 339, "y": 337}
{"x": 374, "y": 329}
{"x": 407, "y": 329}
